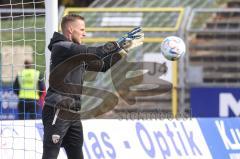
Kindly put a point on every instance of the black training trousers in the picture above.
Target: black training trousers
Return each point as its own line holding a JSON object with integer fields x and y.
{"x": 65, "y": 131}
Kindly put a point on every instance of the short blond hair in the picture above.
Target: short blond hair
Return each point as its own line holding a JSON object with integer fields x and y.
{"x": 70, "y": 18}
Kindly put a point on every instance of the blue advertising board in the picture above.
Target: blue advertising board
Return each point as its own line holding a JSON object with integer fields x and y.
{"x": 215, "y": 102}
{"x": 222, "y": 136}
{"x": 192, "y": 138}
{"x": 9, "y": 105}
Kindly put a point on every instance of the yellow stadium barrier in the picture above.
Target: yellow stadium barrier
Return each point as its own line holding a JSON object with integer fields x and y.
{"x": 122, "y": 29}
{"x": 145, "y": 29}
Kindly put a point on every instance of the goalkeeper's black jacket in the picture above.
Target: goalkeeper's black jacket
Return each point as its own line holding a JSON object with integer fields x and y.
{"x": 68, "y": 64}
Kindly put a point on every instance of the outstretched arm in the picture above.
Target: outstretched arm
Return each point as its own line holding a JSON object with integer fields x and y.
{"x": 114, "y": 51}
{"x": 104, "y": 64}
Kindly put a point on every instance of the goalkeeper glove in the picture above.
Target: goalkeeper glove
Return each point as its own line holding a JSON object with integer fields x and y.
{"x": 131, "y": 40}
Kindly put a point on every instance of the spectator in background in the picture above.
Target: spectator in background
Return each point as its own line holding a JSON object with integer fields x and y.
{"x": 29, "y": 88}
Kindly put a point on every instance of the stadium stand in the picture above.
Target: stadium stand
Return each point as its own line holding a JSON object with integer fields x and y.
{"x": 214, "y": 48}
{"x": 160, "y": 103}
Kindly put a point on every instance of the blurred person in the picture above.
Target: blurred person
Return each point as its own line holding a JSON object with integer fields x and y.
{"x": 29, "y": 87}
{"x": 61, "y": 111}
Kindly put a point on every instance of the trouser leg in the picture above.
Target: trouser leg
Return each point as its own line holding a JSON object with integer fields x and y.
{"x": 53, "y": 133}
{"x": 50, "y": 152}
{"x": 31, "y": 109}
{"x": 74, "y": 152}
{"x": 21, "y": 109}
{"x": 73, "y": 140}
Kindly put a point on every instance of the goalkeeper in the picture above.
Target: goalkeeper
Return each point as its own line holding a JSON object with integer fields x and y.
{"x": 61, "y": 112}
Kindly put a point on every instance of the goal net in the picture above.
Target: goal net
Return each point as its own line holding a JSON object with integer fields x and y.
{"x": 22, "y": 37}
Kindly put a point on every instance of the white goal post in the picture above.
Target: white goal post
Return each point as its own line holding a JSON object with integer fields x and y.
{"x": 51, "y": 25}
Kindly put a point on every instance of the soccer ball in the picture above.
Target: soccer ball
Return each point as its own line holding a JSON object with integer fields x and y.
{"x": 173, "y": 48}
